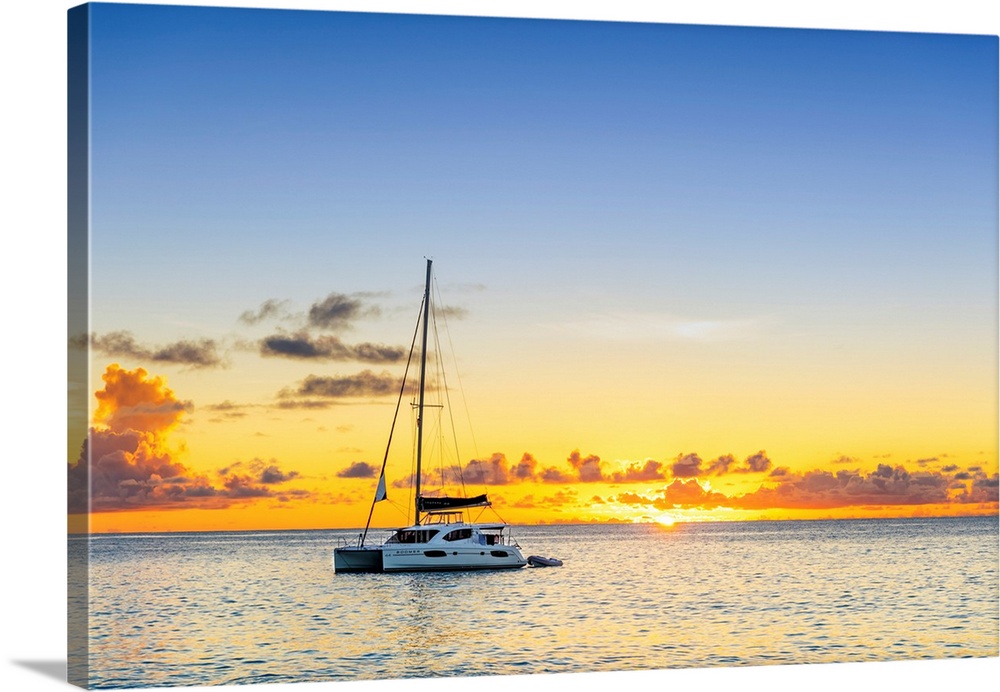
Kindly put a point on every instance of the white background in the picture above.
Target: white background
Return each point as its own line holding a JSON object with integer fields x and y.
{"x": 33, "y": 343}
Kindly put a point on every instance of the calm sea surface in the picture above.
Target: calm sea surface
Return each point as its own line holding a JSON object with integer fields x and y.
{"x": 231, "y": 608}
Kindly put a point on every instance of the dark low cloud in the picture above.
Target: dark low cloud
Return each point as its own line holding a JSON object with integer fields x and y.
{"x": 686, "y": 466}
{"x": 554, "y": 475}
{"x": 269, "y": 309}
{"x": 818, "y": 489}
{"x": 756, "y": 463}
{"x": 687, "y": 494}
{"x": 200, "y": 353}
{"x": 302, "y": 346}
{"x": 492, "y": 471}
{"x": 306, "y": 404}
{"x": 451, "y": 312}
{"x": 253, "y": 478}
{"x": 983, "y": 490}
{"x": 635, "y": 473}
{"x": 721, "y": 465}
{"x": 337, "y": 311}
{"x": 363, "y": 384}
{"x": 821, "y": 490}
{"x": 266, "y": 472}
{"x": 358, "y": 469}
{"x": 588, "y": 468}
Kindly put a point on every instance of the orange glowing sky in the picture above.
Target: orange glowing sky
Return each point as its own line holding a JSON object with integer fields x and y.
{"x": 160, "y": 463}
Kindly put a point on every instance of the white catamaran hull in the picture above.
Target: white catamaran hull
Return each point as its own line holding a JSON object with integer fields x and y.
{"x": 428, "y": 559}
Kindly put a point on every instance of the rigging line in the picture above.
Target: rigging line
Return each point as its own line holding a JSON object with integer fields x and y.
{"x": 444, "y": 382}
{"x": 461, "y": 391}
{"x": 461, "y": 387}
{"x": 402, "y": 388}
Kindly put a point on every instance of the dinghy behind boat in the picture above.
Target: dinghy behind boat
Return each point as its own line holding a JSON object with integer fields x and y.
{"x": 539, "y": 561}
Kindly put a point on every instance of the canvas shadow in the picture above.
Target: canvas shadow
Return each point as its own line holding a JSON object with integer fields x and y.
{"x": 53, "y": 668}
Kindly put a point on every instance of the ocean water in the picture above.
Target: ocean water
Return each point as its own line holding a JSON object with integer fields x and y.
{"x": 253, "y": 607}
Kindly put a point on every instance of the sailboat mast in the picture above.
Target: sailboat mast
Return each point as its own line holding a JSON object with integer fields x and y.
{"x": 420, "y": 404}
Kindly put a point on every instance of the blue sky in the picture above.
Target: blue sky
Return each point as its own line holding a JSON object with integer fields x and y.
{"x": 297, "y": 141}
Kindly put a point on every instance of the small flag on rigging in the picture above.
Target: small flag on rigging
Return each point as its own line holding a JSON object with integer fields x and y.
{"x": 380, "y": 492}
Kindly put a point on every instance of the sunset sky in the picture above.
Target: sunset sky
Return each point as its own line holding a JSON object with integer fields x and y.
{"x": 693, "y": 273}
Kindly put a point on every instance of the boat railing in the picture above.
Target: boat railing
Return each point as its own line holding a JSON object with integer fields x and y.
{"x": 345, "y": 542}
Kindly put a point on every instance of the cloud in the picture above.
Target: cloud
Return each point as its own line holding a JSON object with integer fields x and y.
{"x": 269, "y": 309}
{"x": 554, "y": 475}
{"x": 338, "y": 311}
{"x": 302, "y": 346}
{"x": 631, "y": 498}
{"x": 588, "y": 469}
{"x": 679, "y": 494}
{"x": 126, "y": 462}
{"x": 451, "y": 312}
{"x": 983, "y": 490}
{"x": 131, "y": 400}
{"x": 558, "y": 499}
{"x": 358, "y": 469}
{"x": 309, "y": 404}
{"x": 201, "y": 353}
{"x": 526, "y": 469}
{"x": 226, "y": 409}
{"x": 721, "y": 465}
{"x": 253, "y": 479}
{"x": 258, "y": 471}
{"x": 492, "y": 471}
{"x": 844, "y": 459}
{"x": 686, "y": 466}
{"x": 756, "y": 463}
{"x": 823, "y": 489}
{"x": 634, "y": 473}
{"x": 363, "y": 384}
{"x": 819, "y": 489}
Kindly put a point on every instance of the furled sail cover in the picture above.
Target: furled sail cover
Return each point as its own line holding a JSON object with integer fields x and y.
{"x": 433, "y": 504}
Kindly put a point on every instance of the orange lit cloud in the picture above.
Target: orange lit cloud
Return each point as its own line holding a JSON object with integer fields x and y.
{"x": 819, "y": 489}
{"x": 649, "y": 471}
{"x": 131, "y": 400}
{"x": 126, "y": 462}
{"x": 689, "y": 466}
{"x": 678, "y": 494}
{"x": 823, "y": 490}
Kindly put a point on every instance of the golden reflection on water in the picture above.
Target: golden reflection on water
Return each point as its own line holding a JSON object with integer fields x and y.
{"x": 225, "y": 608}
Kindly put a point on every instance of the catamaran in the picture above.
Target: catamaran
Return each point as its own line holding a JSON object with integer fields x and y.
{"x": 440, "y": 537}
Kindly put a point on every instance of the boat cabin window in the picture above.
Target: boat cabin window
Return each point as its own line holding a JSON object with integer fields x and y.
{"x": 458, "y": 535}
{"x": 413, "y": 536}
